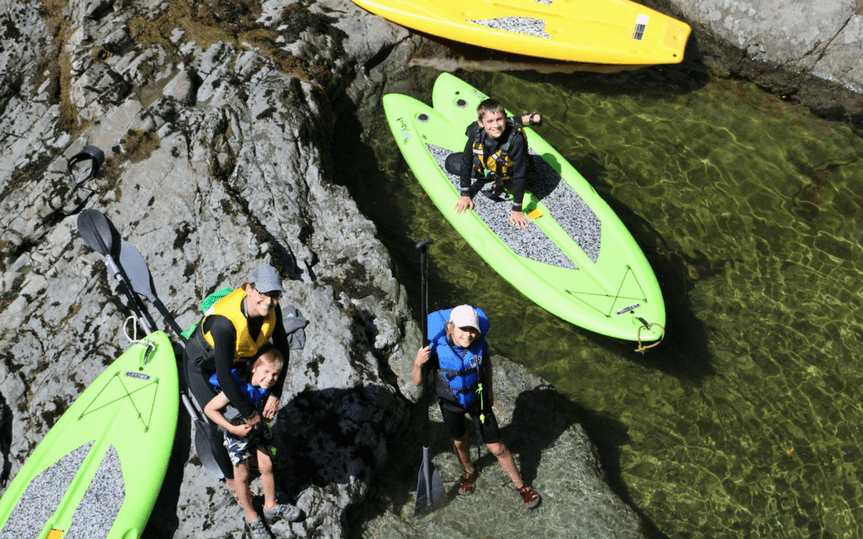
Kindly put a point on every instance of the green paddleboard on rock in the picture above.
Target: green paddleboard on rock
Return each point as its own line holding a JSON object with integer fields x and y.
{"x": 576, "y": 259}
{"x": 98, "y": 471}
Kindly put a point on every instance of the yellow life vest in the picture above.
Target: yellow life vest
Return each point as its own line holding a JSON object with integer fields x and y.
{"x": 230, "y": 307}
{"x": 499, "y": 163}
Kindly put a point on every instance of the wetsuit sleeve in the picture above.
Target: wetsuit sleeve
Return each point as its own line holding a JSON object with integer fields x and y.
{"x": 518, "y": 152}
{"x": 225, "y": 341}
{"x": 280, "y": 341}
{"x": 467, "y": 163}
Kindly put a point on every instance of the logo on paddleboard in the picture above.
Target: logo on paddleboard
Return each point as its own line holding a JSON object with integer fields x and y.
{"x": 138, "y": 375}
{"x": 404, "y": 130}
{"x": 627, "y": 309}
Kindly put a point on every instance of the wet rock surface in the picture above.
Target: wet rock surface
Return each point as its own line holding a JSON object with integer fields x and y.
{"x": 218, "y": 124}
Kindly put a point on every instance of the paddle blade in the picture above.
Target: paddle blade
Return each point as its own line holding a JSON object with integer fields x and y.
{"x": 203, "y": 443}
{"x": 135, "y": 266}
{"x": 430, "y": 489}
{"x": 205, "y": 450}
{"x": 98, "y": 232}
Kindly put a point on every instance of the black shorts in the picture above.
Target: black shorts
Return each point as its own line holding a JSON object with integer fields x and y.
{"x": 454, "y": 419}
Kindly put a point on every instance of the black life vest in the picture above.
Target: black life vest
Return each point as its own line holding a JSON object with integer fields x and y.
{"x": 500, "y": 163}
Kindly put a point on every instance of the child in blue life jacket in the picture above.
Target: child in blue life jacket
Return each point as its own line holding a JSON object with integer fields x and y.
{"x": 458, "y": 354}
{"x": 243, "y": 440}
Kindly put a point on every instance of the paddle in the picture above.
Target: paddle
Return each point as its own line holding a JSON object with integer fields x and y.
{"x": 100, "y": 234}
{"x": 430, "y": 489}
{"x": 135, "y": 266}
{"x": 102, "y": 237}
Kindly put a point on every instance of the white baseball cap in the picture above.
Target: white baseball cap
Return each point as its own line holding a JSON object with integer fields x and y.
{"x": 464, "y": 316}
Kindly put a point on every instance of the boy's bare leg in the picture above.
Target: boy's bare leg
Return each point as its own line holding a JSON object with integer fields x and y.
{"x": 462, "y": 449}
{"x": 244, "y": 494}
{"x": 268, "y": 480}
{"x": 506, "y": 461}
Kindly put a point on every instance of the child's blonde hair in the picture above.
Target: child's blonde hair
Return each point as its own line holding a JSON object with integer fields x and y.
{"x": 270, "y": 354}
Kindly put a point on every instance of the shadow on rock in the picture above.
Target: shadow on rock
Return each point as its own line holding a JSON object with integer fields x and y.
{"x": 542, "y": 415}
{"x": 334, "y": 440}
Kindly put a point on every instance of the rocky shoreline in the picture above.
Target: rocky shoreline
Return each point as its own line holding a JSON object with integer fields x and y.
{"x": 219, "y": 123}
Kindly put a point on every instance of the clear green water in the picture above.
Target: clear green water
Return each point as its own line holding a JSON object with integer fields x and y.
{"x": 746, "y": 420}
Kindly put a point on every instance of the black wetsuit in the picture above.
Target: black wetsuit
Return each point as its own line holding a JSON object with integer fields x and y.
{"x": 202, "y": 361}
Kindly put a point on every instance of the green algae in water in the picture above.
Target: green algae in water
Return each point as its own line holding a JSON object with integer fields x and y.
{"x": 745, "y": 422}
{"x": 760, "y": 204}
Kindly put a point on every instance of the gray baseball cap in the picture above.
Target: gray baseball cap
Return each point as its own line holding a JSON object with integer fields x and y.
{"x": 266, "y": 279}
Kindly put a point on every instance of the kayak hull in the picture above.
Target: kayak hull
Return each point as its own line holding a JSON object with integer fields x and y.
{"x": 596, "y": 31}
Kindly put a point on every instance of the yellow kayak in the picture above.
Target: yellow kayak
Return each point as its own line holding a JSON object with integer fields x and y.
{"x": 595, "y": 31}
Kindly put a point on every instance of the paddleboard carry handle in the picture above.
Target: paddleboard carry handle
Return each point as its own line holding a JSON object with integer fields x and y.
{"x": 642, "y": 348}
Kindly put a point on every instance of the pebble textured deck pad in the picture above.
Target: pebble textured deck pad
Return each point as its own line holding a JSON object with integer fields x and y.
{"x": 573, "y": 215}
{"x": 43, "y": 496}
{"x": 101, "y": 503}
{"x": 615, "y": 32}
{"x": 520, "y": 25}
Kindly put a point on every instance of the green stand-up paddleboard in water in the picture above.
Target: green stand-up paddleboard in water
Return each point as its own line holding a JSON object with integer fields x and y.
{"x": 576, "y": 259}
{"x": 98, "y": 471}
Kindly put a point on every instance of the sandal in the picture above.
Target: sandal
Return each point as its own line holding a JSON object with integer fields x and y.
{"x": 529, "y": 496}
{"x": 466, "y": 482}
{"x": 530, "y": 120}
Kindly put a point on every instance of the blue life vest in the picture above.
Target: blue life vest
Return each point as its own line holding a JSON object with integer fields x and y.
{"x": 460, "y": 369}
{"x": 253, "y": 395}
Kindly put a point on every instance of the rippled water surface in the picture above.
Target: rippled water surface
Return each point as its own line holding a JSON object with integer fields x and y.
{"x": 746, "y": 420}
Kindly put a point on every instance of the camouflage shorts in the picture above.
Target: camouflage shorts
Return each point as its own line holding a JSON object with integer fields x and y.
{"x": 240, "y": 449}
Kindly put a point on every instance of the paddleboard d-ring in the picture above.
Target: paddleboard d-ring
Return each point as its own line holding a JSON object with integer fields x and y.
{"x": 423, "y": 117}
{"x": 90, "y": 153}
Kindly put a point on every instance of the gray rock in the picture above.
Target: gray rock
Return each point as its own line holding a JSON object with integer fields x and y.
{"x": 219, "y": 159}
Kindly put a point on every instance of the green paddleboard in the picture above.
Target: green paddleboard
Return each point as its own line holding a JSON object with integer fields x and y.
{"x": 98, "y": 471}
{"x": 576, "y": 259}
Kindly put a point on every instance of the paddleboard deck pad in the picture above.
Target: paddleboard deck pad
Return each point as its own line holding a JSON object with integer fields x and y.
{"x": 98, "y": 471}
{"x": 575, "y": 259}
{"x": 592, "y": 31}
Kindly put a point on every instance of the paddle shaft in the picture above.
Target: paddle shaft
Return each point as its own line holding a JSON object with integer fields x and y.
{"x": 423, "y": 248}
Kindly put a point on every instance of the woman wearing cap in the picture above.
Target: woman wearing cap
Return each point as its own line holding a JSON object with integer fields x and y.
{"x": 230, "y": 333}
{"x": 459, "y": 354}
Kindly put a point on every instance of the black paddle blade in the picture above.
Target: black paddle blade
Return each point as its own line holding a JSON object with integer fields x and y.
{"x": 430, "y": 490}
{"x": 203, "y": 444}
{"x": 98, "y": 232}
{"x": 136, "y": 269}
{"x": 205, "y": 450}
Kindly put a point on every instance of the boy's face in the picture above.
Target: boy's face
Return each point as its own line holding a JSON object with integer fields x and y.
{"x": 493, "y": 123}
{"x": 463, "y": 336}
{"x": 265, "y": 373}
